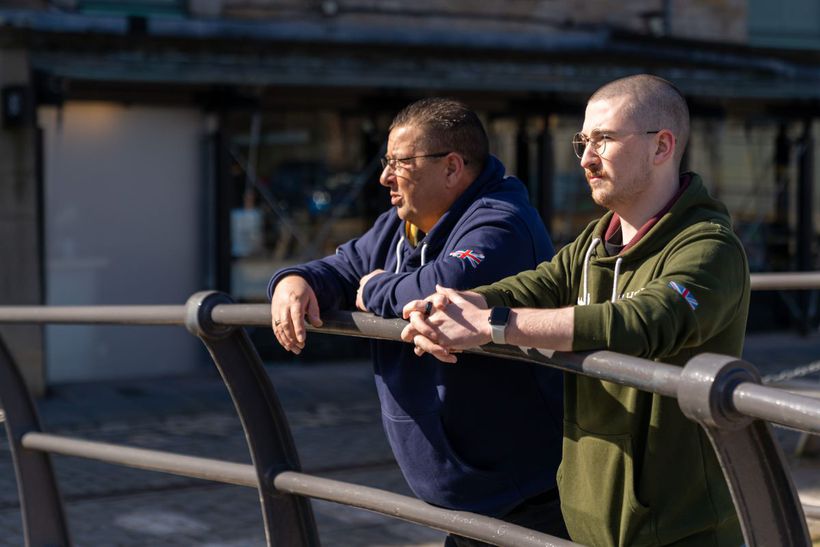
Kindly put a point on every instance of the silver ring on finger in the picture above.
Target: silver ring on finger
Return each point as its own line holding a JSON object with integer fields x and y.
{"x": 276, "y": 322}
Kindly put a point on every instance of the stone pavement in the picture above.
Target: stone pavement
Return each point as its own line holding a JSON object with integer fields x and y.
{"x": 334, "y": 417}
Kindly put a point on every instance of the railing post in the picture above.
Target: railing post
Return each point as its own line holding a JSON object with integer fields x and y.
{"x": 41, "y": 508}
{"x": 756, "y": 471}
{"x": 288, "y": 519}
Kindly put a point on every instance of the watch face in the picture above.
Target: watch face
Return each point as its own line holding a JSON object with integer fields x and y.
{"x": 499, "y": 316}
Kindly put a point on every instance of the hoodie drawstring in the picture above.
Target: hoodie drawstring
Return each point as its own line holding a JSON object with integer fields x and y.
{"x": 398, "y": 254}
{"x": 585, "y": 298}
{"x": 615, "y": 279}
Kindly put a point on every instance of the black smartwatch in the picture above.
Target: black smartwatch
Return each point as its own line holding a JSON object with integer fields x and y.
{"x": 498, "y": 324}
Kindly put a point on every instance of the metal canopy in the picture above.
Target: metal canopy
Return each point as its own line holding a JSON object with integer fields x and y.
{"x": 332, "y": 52}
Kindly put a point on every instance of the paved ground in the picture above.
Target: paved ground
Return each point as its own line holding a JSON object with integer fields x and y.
{"x": 334, "y": 418}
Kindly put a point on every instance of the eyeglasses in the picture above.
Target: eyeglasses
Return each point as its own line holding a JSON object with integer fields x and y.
{"x": 401, "y": 162}
{"x": 597, "y": 140}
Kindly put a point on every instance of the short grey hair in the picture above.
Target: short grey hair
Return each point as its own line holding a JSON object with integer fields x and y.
{"x": 449, "y": 126}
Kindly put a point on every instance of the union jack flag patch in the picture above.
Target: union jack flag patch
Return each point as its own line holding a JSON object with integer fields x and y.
{"x": 474, "y": 257}
{"x": 684, "y": 292}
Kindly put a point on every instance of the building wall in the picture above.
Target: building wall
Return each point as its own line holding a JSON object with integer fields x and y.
{"x": 20, "y": 276}
{"x": 710, "y": 20}
{"x": 124, "y": 205}
{"x": 716, "y": 20}
{"x": 790, "y": 24}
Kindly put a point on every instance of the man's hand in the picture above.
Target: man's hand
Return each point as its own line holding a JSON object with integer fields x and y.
{"x": 292, "y": 299}
{"x": 446, "y": 322}
{"x": 360, "y": 292}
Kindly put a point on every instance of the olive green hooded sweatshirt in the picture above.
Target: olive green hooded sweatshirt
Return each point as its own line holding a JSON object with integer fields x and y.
{"x": 635, "y": 471}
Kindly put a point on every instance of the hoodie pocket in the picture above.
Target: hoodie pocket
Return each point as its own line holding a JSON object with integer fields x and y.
{"x": 596, "y": 482}
{"x": 439, "y": 475}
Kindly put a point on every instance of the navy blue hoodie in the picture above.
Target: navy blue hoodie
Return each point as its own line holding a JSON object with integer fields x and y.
{"x": 482, "y": 435}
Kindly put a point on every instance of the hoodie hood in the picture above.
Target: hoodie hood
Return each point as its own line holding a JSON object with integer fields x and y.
{"x": 490, "y": 180}
{"x": 692, "y": 206}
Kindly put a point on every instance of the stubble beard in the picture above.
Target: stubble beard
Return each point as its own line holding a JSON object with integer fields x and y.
{"x": 602, "y": 191}
{"x": 610, "y": 195}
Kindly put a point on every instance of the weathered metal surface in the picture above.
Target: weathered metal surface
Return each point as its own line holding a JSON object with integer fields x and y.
{"x": 721, "y": 393}
{"x": 372, "y": 499}
{"x": 753, "y": 464}
{"x": 85, "y": 315}
{"x": 462, "y": 523}
{"x": 785, "y": 281}
{"x": 44, "y": 522}
{"x": 288, "y": 519}
{"x": 778, "y": 406}
{"x": 143, "y": 458}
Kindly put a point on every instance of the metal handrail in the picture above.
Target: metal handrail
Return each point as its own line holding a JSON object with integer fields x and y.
{"x": 291, "y": 482}
{"x": 259, "y": 315}
{"x": 722, "y": 394}
{"x": 785, "y": 281}
{"x": 91, "y": 315}
{"x": 763, "y": 402}
{"x": 275, "y": 472}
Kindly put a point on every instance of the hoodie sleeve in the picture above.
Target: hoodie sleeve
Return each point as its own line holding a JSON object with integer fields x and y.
{"x": 547, "y": 286}
{"x": 543, "y": 287}
{"x": 335, "y": 278}
{"x": 701, "y": 290}
{"x": 491, "y": 244}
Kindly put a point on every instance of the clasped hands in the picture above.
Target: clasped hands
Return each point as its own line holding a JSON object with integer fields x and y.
{"x": 446, "y": 322}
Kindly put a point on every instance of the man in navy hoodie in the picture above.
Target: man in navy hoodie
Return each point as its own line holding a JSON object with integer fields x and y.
{"x": 478, "y": 437}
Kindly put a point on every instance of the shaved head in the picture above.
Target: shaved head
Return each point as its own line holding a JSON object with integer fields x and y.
{"x": 653, "y": 104}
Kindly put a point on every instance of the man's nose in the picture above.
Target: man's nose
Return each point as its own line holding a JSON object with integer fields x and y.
{"x": 386, "y": 176}
{"x": 589, "y": 158}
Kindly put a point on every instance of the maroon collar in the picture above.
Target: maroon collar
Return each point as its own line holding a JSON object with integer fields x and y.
{"x": 615, "y": 221}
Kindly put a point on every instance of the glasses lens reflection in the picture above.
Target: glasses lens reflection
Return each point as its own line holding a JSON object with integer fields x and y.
{"x": 581, "y": 141}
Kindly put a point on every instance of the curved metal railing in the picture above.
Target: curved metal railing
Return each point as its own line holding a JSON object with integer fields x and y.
{"x": 722, "y": 394}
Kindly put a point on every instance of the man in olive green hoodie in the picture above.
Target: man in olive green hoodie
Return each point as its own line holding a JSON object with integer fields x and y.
{"x": 660, "y": 276}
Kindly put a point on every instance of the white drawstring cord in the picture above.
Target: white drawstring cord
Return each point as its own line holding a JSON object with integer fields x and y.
{"x": 398, "y": 254}
{"x": 615, "y": 279}
{"x": 590, "y": 249}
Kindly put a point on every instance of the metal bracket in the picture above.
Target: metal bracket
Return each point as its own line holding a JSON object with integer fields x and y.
{"x": 288, "y": 519}
{"x": 753, "y": 464}
{"x": 198, "y": 310}
{"x": 44, "y": 521}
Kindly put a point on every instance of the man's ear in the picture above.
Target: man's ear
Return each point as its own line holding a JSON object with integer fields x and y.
{"x": 665, "y": 149}
{"x": 453, "y": 168}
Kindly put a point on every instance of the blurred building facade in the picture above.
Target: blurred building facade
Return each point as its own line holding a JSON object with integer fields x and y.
{"x": 152, "y": 148}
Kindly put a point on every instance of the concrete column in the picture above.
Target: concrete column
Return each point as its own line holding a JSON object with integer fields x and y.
{"x": 20, "y": 237}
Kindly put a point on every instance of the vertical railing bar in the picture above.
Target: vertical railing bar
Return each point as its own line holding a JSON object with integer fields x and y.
{"x": 288, "y": 519}
{"x": 41, "y": 507}
{"x": 756, "y": 472}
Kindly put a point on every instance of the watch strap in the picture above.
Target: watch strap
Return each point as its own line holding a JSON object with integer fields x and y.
{"x": 499, "y": 318}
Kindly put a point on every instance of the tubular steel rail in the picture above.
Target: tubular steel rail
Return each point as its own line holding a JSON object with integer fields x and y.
{"x": 722, "y": 394}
